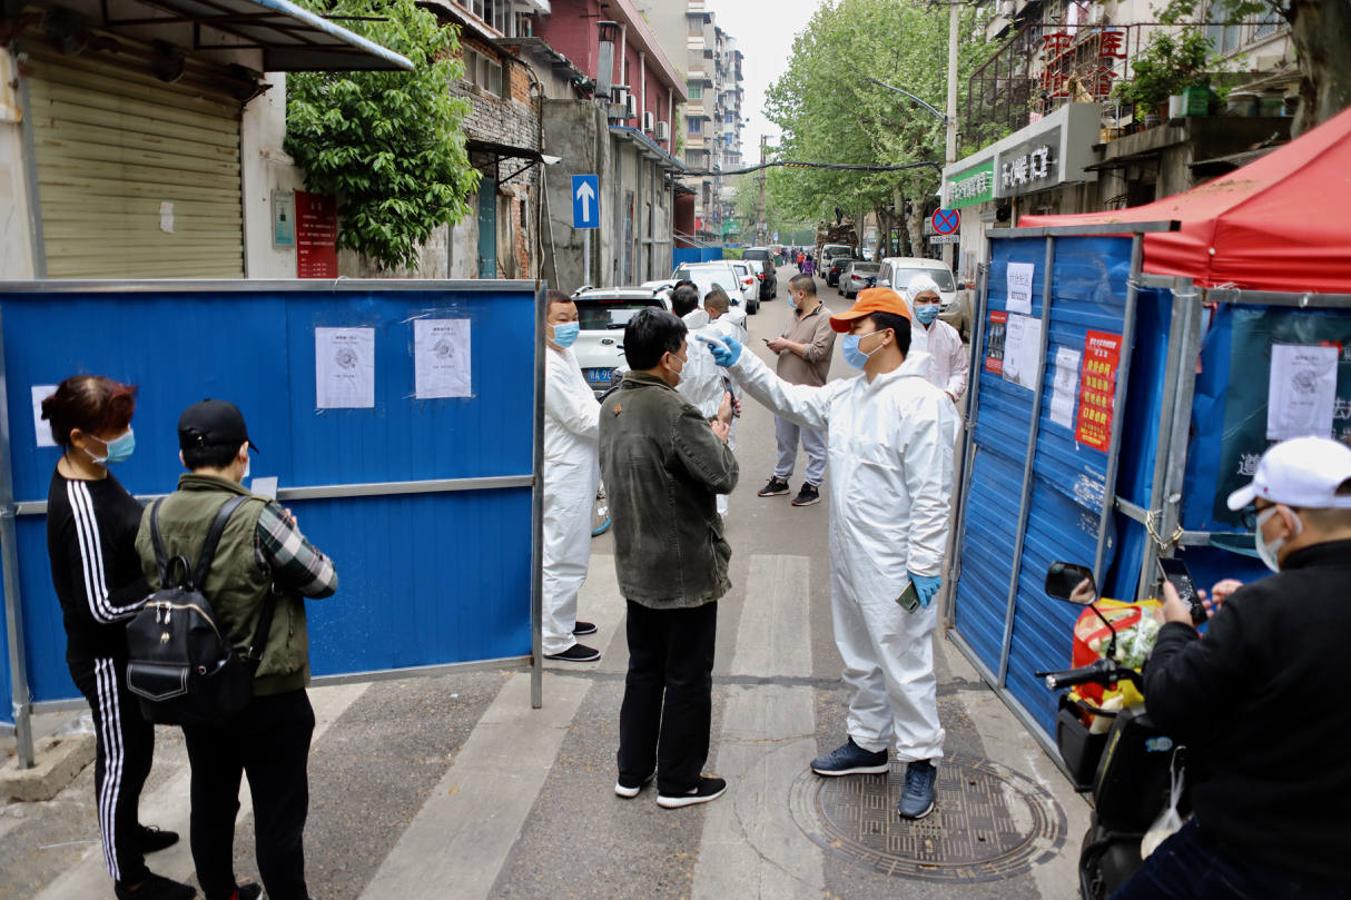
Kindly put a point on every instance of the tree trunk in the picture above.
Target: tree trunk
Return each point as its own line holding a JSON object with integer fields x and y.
{"x": 1319, "y": 29}
{"x": 915, "y": 225}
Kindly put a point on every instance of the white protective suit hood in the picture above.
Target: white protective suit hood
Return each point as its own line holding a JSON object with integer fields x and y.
{"x": 918, "y": 285}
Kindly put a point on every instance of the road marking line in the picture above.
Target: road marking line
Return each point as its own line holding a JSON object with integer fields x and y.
{"x": 750, "y": 845}
{"x": 168, "y": 807}
{"x": 458, "y": 842}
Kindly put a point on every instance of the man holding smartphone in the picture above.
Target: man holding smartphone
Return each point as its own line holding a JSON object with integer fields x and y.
{"x": 1254, "y": 699}
{"x": 891, "y": 435}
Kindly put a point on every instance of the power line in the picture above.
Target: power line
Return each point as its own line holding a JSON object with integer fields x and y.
{"x": 835, "y": 167}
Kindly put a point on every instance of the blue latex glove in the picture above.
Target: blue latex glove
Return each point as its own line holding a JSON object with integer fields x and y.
{"x": 926, "y": 586}
{"x": 726, "y": 351}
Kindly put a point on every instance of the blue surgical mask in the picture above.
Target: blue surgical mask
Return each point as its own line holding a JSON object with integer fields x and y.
{"x": 852, "y": 354}
{"x": 117, "y": 450}
{"x": 926, "y": 312}
{"x": 565, "y": 334}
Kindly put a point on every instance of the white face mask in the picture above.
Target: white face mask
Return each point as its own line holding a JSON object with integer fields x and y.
{"x": 1269, "y": 550}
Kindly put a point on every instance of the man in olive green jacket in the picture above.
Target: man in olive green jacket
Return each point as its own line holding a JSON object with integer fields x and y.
{"x": 260, "y": 548}
{"x": 663, "y": 465}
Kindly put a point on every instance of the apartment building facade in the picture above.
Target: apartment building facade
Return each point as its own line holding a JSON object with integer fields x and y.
{"x": 713, "y": 121}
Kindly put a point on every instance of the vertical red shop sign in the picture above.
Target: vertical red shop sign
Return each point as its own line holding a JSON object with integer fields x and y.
{"x": 994, "y": 341}
{"x": 316, "y": 236}
{"x": 1097, "y": 389}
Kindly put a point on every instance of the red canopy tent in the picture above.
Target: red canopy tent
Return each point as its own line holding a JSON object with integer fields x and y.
{"x": 1280, "y": 223}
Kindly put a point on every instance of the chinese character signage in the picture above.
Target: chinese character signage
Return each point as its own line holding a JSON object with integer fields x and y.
{"x": 1097, "y": 389}
{"x": 975, "y": 185}
{"x": 316, "y": 236}
{"x": 1033, "y": 165}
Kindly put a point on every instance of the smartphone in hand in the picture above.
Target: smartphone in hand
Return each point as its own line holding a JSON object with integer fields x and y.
{"x": 1175, "y": 571}
{"x": 909, "y": 599}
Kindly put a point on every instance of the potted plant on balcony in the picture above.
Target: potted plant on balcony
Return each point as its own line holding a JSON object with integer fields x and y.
{"x": 1168, "y": 65}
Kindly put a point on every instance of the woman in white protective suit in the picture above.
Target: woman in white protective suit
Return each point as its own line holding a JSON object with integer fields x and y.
{"x": 571, "y": 473}
{"x": 891, "y": 435}
{"x": 936, "y": 337}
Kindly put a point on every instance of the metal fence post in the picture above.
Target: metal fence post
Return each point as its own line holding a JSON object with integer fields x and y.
{"x": 966, "y": 460}
{"x": 20, "y": 701}
{"x": 537, "y": 515}
{"x": 1123, "y": 374}
{"x": 1034, "y": 428}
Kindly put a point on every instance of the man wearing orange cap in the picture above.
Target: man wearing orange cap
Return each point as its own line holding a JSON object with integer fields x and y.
{"x": 891, "y": 435}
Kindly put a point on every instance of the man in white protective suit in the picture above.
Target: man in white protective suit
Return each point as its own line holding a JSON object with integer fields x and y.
{"x": 936, "y": 337}
{"x": 701, "y": 381}
{"x": 571, "y": 473}
{"x": 891, "y": 435}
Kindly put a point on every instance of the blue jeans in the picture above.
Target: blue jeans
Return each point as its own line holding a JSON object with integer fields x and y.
{"x": 1189, "y": 866}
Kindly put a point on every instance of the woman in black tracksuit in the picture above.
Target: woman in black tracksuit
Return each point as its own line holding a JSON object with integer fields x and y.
{"x": 91, "y": 532}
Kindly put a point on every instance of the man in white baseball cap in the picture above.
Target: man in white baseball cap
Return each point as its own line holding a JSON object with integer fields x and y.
{"x": 1268, "y": 771}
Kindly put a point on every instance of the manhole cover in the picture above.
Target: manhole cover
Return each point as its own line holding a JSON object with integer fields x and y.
{"x": 990, "y": 822}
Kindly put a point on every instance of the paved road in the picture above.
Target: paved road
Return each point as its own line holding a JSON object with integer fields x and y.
{"x": 452, "y": 787}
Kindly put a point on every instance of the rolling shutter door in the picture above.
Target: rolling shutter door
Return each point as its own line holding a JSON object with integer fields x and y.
{"x": 137, "y": 178}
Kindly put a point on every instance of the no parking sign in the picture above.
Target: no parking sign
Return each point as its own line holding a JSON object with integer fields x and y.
{"x": 946, "y": 221}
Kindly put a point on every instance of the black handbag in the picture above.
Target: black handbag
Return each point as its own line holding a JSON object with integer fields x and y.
{"x": 181, "y": 665}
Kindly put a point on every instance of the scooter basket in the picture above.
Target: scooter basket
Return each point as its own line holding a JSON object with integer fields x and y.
{"x": 1080, "y": 749}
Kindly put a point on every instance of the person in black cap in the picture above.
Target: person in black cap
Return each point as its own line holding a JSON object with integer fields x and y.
{"x": 262, "y": 558}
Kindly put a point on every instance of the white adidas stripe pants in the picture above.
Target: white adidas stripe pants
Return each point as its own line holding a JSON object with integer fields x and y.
{"x": 126, "y": 745}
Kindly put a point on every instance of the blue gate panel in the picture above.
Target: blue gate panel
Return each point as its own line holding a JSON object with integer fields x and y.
{"x": 427, "y": 578}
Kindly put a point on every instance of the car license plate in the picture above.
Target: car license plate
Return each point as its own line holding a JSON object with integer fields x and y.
{"x": 598, "y": 376}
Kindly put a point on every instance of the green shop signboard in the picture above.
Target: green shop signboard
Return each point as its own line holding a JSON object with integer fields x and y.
{"x": 975, "y": 185}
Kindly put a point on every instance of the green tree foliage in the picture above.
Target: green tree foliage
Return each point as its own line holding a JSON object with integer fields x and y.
{"x": 829, "y": 111}
{"x": 389, "y": 145}
{"x": 1168, "y": 64}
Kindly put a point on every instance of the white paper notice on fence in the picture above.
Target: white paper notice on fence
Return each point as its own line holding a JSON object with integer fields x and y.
{"x": 1020, "y": 287}
{"x": 344, "y": 368}
{"x": 42, "y": 428}
{"x": 1065, "y": 388}
{"x": 1303, "y": 391}
{"x": 1022, "y": 345}
{"x": 441, "y": 358}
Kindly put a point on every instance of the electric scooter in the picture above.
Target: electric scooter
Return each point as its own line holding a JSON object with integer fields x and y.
{"x": 1126, "y": 768}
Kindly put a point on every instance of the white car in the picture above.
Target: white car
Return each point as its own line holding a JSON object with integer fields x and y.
{"x": 603, "y": 313}
{"x": 898, "y": 270}
{"x": 705, "y": 275}
{"x": 750, "y": 285}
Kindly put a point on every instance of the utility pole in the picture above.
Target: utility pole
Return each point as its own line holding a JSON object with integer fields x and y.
{"x": 761, "y": 226}
{"x": 954, "y": 20}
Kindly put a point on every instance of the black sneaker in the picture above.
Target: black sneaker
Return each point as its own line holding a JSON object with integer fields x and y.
{"x": 582, "y": 629}
{"x": 576, "y": 653}
{"x": 808, "y": 496}
{"x": 777, "y": 487}
{"x": 153, "y": 840}
{"x": 155, "y": 887}
{"x": 708, "y": 789}
{"x": 628, "y": 789}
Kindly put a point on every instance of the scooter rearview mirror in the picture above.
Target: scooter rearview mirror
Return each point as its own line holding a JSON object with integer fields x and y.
{"x": 1071, "y": 582}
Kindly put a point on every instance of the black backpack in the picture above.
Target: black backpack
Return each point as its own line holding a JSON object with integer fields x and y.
{"x": 181, "y": 664}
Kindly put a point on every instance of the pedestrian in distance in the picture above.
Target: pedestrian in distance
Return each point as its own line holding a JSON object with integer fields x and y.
{"x": 939, "y": 339}
{"x": 96, "y": 572}
{"x": 808, "y": 266}
{"x": 891, "y": 435}
{"x": 663, "y": 464}
{"x": 1269, "y": 776}
{"x": 262, "y": 557}
{"x": 804, "y": 351}
{"x": 571, "y": 436}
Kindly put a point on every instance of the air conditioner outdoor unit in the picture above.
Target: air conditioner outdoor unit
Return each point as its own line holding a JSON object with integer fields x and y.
{"x": 649, "y": 121}
{"x": 663, "y": 131}
{"x": 619, "y": 94}
{"x": 630, "y": 106}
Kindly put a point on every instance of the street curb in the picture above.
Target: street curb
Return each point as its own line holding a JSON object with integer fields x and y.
{"x": 58, "y": 760}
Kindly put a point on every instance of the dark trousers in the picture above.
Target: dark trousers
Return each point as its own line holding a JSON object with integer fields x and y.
{"x": 125, "y": 748}
{"x": 665, "y": 719}
{"x": 1190, "y": 866}
{"x": 269, "y": 740}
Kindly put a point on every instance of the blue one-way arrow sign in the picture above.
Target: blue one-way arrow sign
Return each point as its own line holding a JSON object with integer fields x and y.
{"x": 585, "y": 201}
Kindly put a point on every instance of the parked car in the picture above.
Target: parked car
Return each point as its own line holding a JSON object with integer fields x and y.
{"x": 750, "y": 285}
{"x": 602, "y": 314}
{"x": 898, "y": 270}
{"x": 857, "y": 276}
{"x": 834, "y": 268}
{"x": 769, "y": 285}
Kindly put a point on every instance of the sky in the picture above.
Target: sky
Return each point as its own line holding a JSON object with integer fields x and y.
{"x": 764, "y": 32}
